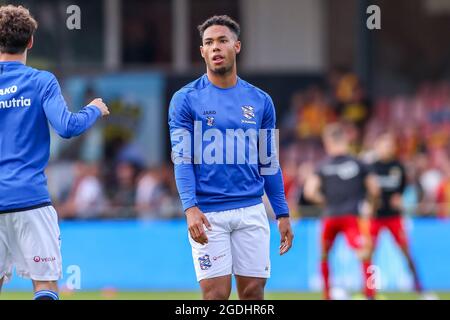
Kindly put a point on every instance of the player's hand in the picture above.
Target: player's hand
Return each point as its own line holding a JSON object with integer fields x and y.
{"x": 287, "y": 236}
{"x": 195, "y": 220}
{"x": 396, "y": 201}
{"x": 100, "y": 105}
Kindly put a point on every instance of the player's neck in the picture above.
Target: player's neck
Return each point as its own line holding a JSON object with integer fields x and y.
{"x": 339, "y": 151}
{"x": 386, "y": 159}
{"x": 7, "y": 57}
{"x": 223, "y": 81}
{"x": 338, "y": 154}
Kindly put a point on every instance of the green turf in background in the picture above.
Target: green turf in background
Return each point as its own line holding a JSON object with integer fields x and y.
{"x": 114, "y": 295}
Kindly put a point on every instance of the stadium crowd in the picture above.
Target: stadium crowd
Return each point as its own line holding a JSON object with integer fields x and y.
{"x": 420, "y": 121}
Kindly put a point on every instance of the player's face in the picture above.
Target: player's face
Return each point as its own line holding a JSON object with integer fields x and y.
{"x": 386, "y": 147}
{"x": 334, "y": 147}
{"x": 219, "y": 49}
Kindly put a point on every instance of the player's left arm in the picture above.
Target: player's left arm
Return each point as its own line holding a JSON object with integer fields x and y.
{"x": 69, "y": 124}
{"x": 273, "y": 179}
{"x": 373, "y": 190}
{"x": 396, "y": 200}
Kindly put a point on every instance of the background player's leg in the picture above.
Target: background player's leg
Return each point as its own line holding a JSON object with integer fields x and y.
{"x": 372, "y": 236}
{"x": 374, "y": 230}
{"x": 356, "y": 240}
{"x": 250, "y": 288}
{"x": 1, "y": 284}
{"x": 395, "y": 226}
{"x": 412, "y": 267}
{"x": 218, "y": 288}
{"x": 329, "y": 233}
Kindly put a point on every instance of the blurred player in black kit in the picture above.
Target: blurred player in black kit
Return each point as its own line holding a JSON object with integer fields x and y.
{"x": 342, "y": 184}
{"x": 391, "y": 177}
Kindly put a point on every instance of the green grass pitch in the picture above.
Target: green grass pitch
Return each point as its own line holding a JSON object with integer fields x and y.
{"x": 116, "y": 295}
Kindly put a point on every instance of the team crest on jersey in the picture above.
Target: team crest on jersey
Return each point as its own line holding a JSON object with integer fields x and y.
{"x": 248, "y": 112}
{"x": 205, "y": 262}
{"x": 210, "y": 121}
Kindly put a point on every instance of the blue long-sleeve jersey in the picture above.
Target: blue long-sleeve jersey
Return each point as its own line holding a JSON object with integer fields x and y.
{"x": 207, "y": 171}
{"x": 29, "y": 99}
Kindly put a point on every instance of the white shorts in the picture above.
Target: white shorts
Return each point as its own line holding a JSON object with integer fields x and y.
{"x": 239, "y": 244}
{"x": 30, "y": 242}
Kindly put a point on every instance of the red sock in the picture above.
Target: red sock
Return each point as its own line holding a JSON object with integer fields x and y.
{"x": 326, "y": 279}
{"x": 417, "y": 285}
{"x": 369, "y": 286}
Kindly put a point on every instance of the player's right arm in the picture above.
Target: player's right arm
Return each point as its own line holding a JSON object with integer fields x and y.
{"x": 181, "y": 126}
{"x": 68, "y": 124}
{"x": 312, "y": 189}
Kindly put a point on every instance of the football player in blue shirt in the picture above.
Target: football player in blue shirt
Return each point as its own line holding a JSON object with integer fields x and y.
{"x": 220, "y": 180}
{"x": 29, "y": 100}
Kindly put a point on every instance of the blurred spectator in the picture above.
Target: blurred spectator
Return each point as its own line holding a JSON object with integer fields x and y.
{"x": 86, "y": 198}
{"x": 413, "y": 195}
{"x": 314, "y": 114}
{"x": 149, "y": 194}
{"x": 156, "y": 195}
{"x": 348, "y": 94}
{"x": 124, "y": 192}
{"x": 443, "y": 188}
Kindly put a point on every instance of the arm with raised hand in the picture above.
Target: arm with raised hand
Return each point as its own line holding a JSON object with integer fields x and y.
{"x": 70, "y": 124}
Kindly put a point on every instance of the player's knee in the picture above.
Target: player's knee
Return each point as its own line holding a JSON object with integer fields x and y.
{"x": 216, "y": 294}
{"x": 363, "y": 254}
{"x": 254, "y": 290}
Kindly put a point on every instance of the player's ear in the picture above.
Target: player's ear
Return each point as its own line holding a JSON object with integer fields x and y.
{"x": 201, "y": 52}
{"x": 237, "y": 47}
{"x": 30, "y": 43}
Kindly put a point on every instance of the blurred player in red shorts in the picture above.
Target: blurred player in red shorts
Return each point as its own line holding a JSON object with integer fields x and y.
{"x": 392, "y": 180}
{"x": 342, "y": 184}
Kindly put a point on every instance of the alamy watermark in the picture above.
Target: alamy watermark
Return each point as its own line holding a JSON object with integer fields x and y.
{"x": 73, "y": 21}
{"x": 374, "y": 20}
{"x": 235, "y": 146}
{"x": 73, "y": 281}
{"x": 374, "y": 280}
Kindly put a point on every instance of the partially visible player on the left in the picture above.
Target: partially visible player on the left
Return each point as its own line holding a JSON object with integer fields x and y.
{"x": 29, "y": 99}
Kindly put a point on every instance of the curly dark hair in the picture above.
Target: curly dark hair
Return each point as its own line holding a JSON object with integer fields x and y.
{"x": 223, "y": 20}
{"x": 17, "y": 26}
